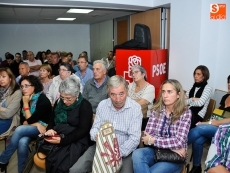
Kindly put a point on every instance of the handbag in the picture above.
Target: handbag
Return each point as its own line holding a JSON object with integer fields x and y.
{"x": 167, "y": 155}
{"x": 44, "y": 147}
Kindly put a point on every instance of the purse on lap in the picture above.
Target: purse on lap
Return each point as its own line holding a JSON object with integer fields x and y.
{"x": 107, "y": 157}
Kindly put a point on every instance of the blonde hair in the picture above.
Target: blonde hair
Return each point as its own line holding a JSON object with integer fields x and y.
{"x": 179, "y": 106}
{"x": 48, "y": 68}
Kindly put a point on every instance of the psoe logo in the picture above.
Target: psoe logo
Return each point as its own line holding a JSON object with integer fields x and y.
{"x": 217, "y": 11}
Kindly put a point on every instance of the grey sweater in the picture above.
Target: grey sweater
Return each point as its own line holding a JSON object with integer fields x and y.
{"x": 95, "y": 95}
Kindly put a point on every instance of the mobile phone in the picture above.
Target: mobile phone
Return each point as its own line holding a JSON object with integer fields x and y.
{"x": 51, "y": 137}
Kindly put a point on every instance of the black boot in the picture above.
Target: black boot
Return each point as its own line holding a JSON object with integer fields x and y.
{"x": 3, "y": 166}
{"x": 196, "y": 169}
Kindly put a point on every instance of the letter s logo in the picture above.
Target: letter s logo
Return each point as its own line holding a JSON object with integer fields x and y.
{"x": 214, "y": 8}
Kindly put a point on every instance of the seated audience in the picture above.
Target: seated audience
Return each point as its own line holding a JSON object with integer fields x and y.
{"x": 204, "y": 131}
{"x": 33, "y": 64}
{"x": 11, "y": 64}
{"x": 10, "y": 97}
{"x": 167, "y": 128}
{"x": 76, "y": 68}
{"x": 95, "y": 89}
{"x": 48, "y": 58}
{"x": 55, "y": 64}
{"x": 198, "y": 95}
{"x": 17, "y": 60}
{"x": 65, "y": 70}
{"x": 45, "y": 77}
{"x": 109, "y": 63}
{"x": 84, "y": 73}
{"x": 24, "y": 55}
{"x": 112, "y": 71}
{"x": 218, "y": 160}
{"x": 125, "y": 115}
{"x": 24, "y": 70}
{"x": 72, "y": 120}
{"x": 34, "y": 116}
{"x": 140, "y": 90}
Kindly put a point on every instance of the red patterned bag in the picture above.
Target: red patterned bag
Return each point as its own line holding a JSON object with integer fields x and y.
{"x": 107, "y": 157}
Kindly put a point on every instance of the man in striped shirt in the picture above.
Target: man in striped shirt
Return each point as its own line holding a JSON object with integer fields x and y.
{"x": 125, "y": 115}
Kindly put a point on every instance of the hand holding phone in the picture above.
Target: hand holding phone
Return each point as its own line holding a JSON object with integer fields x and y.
{"x": 51, "y": 137}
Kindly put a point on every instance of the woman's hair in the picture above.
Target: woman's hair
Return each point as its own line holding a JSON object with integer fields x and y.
{"x": 13, "y": 84}
{"x": 204, "y": 70}
{"x": 34, "y": 81}
{"x": 47, "y": 68}
{"x": 116, "y": 81}
{"x": 102, "y": 63}
{"x": 228, "y": 79}
{"x": 142, "y": 70}
{"x": 179, "y": 106}
{"x": 67, "y": 66}
{"x": 70, "y": 86}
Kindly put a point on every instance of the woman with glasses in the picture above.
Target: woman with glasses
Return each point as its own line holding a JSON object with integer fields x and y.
{"x": 10, "y": 97}
{"x": 34, "y": 116}
{"x": 141, "y": 91}
{"x": 45, "y": 73}
{"x": 71, "y": 121}
{"x": 65, "y": 71}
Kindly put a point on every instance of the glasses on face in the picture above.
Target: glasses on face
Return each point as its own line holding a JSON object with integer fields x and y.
{"x": 68, "y": 99}
{"x": 25, "y": 86}
{"x": 113, "y": 95}
{"x": 62, "y": 70}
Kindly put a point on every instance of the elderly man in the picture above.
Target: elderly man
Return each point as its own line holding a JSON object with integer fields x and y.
{"x": 84, "y": 73}
{"x": 95, "y": 89}
{"x": 126, "y": 117}
{"x": 24, "y": 70}
{"x": 33, "y": 63}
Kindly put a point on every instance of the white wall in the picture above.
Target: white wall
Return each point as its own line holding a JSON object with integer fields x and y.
{"x": 40, "y": 37}
{"x": 197, "y": 40}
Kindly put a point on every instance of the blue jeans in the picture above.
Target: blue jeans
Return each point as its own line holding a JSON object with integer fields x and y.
{"x": 197, "y": 137}
{"x": 5, "y": 125}
{"x": 20, "y": 140}
{"x": 143, "y": 162}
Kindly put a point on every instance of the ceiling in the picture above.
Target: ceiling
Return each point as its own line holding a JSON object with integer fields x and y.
{"x": 48, "y": 15}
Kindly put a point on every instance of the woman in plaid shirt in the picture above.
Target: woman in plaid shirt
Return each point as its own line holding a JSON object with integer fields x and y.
{"x": 168, "y": 128}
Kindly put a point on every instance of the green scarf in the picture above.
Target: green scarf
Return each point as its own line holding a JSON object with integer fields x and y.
{"x": 61, "y": 110}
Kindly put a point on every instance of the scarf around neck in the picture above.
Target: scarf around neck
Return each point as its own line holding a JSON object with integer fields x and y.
{"x": 4, "y": 92}
{"x": 61, "y": 110}
{"x": 33, "y": 102}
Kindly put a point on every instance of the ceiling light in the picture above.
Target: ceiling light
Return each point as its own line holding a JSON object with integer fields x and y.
{"x": 79, "y": 10}
{"x": 68, "y": 19}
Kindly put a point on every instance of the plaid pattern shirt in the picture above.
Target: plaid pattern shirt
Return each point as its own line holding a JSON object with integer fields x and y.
{"x": 126, "y": 122}
{"x": 166, "y": 134}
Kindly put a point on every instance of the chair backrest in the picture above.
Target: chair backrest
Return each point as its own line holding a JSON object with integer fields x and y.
{"x": 211, "y": 107}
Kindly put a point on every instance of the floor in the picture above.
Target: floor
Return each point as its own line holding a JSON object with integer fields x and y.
{"x": 12, "y": 167}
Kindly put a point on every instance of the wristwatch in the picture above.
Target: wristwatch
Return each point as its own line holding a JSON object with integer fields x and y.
{"x": 149, "y": 141}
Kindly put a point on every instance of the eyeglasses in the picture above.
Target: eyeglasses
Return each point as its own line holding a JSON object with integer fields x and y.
{"x": 25, "y": 86}
{"x": 68, "y": 99}
{"x": 62, "y": 70}
{"x": 115, "y": 95}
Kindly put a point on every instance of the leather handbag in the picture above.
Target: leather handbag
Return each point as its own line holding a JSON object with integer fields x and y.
{"x": 167, "y": 155}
